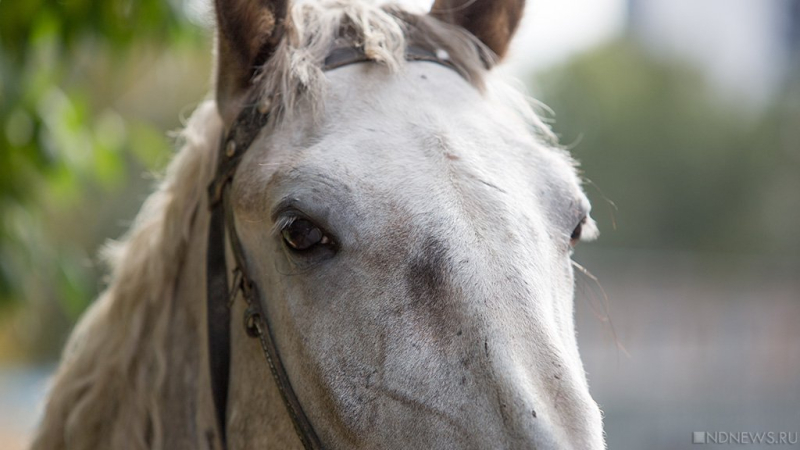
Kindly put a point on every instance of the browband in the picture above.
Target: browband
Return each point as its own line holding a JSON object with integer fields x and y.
{"x": 221, "y": 293}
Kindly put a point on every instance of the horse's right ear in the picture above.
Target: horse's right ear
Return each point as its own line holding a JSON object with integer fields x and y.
{"x": 494, "y": 22}
{"x": 248, "y": 32}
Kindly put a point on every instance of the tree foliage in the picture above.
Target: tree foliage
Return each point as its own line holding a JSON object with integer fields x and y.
{"x": 64, "y": 139}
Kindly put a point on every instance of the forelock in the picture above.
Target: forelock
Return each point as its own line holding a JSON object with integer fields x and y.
{"x": 294, "y": 75}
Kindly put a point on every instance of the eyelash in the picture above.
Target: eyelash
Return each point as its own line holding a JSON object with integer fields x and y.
{"x": 282, "y": 223}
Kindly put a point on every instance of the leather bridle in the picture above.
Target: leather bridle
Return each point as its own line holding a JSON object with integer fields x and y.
{"x": 220, "y": 293}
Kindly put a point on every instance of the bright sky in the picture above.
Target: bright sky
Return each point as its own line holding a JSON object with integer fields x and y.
{"x": 553, "y": 30}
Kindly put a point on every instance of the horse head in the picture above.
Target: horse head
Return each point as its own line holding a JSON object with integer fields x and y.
{"x": 408, "y": 227}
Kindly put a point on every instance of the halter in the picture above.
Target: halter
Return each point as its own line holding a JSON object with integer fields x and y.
{"x": 220, "y": 294}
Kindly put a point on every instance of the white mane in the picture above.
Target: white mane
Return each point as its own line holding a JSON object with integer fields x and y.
{"x": 108, "y": 383}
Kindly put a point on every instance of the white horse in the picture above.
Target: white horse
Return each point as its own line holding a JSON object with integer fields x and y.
{"x": 409, "y": 225}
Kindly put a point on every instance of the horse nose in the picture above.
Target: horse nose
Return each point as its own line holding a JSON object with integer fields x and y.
{"x": 520, "y": 407}
{"x": 542, "y": 406}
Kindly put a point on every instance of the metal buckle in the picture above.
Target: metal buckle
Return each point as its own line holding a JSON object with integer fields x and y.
{"x": 252, "y": 320}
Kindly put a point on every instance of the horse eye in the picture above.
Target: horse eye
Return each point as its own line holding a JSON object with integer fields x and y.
{"x": 576, "y": 233}
{"x": 302, "y": 235}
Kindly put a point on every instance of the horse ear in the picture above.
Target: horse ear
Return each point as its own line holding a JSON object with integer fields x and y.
{"x": 248, "y": 32}
{"x": 492, "y": 21}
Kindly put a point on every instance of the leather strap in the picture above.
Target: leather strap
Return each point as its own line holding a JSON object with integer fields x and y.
{"x": 221, "y": 294}
{"x": 219, "y": 317}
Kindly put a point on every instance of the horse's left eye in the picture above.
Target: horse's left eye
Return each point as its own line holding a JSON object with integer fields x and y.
{"x": 302, "y": 234}
{"x": 576, "y": 233}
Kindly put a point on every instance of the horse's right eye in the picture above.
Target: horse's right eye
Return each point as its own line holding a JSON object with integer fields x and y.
{"x": 576, "y": 233}
{"x": 302, "y": 235}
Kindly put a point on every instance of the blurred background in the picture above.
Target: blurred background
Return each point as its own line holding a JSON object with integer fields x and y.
{"x": 685, "y": 115}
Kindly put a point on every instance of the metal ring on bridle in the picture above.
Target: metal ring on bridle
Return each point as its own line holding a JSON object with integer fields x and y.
{"x": 251, "y": 320}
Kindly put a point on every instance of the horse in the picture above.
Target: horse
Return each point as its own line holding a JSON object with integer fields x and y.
{"x": 405, "y": 222}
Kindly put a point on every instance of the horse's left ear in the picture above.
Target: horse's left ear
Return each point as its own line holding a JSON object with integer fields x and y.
{"x": 494, "y": 22}
{"x": 248, "y": 32}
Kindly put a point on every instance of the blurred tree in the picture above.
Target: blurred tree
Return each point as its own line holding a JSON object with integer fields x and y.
{"x": 69, "y": 134}
{"x": 687, "y": 170}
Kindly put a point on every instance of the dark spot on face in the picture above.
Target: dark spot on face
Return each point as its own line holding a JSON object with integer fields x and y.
{"x": 459, "y": 333}
{"x": 451, "y": 156}
{"x": 424, "y": 77}
{"x": 486, "y": 347}
{"x": 428, "y": 281}
{"x": 463, "y": 380}
{"x": 533, "y": 413}
{"x": 427, "y": 272}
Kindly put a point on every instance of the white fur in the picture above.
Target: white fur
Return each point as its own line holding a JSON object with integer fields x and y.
{"x": 444, "y": 320}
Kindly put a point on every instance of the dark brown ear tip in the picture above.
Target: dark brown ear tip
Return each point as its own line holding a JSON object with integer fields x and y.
{"x": 493, "y": 22}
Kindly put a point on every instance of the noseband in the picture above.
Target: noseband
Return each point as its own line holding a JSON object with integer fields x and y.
{"x": 220, "y": 293}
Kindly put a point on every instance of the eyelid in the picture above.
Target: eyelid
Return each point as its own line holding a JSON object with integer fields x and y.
{"x": 589, "y": 231}
{"x": 285, "y": 207}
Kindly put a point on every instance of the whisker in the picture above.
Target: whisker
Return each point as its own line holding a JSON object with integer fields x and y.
{"x": 607, "y": 200}
{"x": 603, "y": 316}
{"x": 574, "y": 144}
